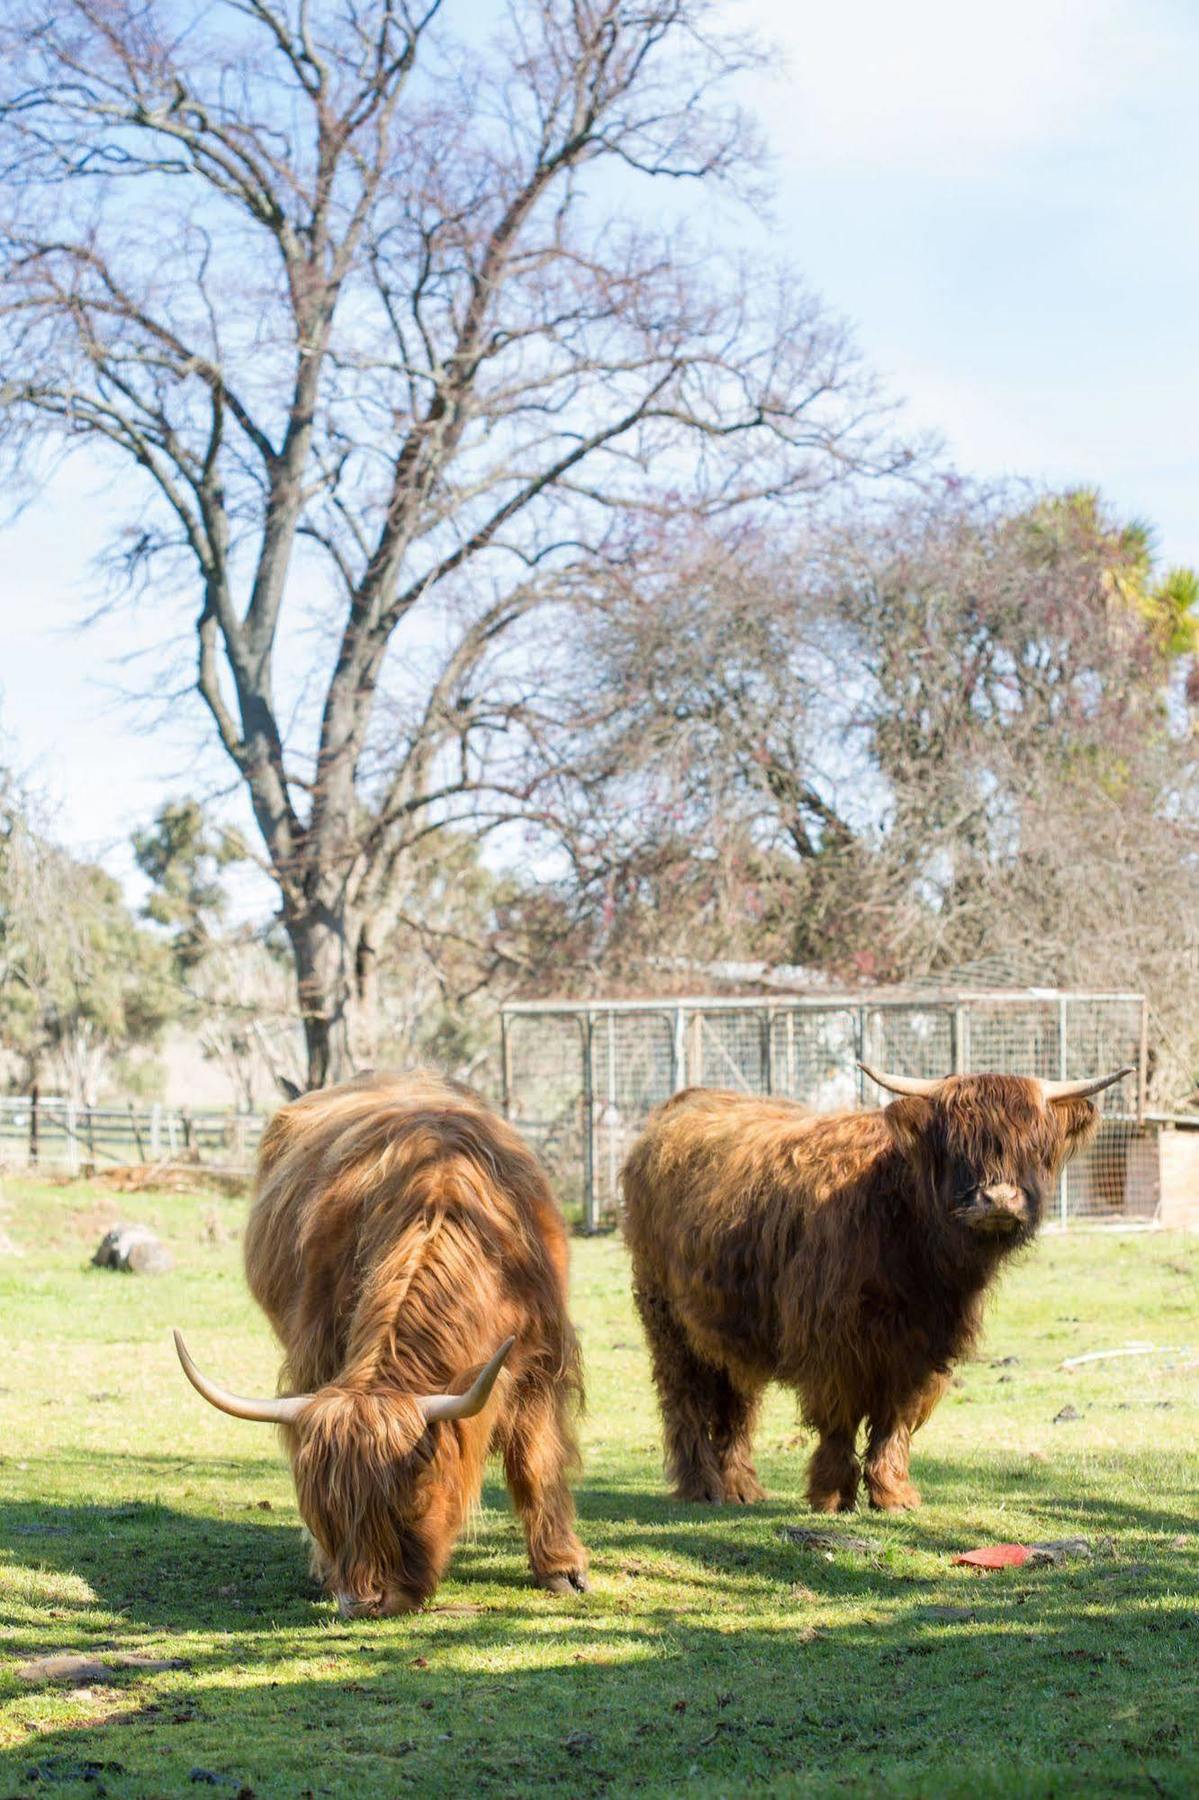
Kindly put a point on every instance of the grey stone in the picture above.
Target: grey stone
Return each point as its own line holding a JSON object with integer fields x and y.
{"x": 135, "y": 1248}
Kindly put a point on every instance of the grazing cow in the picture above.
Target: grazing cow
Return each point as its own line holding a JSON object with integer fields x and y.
{"x": 406, "y": 1248}
{"x": 844, "y": 1254}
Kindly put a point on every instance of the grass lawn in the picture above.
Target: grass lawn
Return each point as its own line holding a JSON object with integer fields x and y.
{"x": 712, "y": 1657}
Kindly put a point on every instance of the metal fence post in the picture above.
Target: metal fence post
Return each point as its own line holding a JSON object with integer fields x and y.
{"x": 678, "y": 1051}
{"x": 860, "y": 1027}
{"x": 505, "y": 1066}
{"x": 33, "y": 1124}
{"x": 768, "y": 1051}
{"x": 589, "y": 1215}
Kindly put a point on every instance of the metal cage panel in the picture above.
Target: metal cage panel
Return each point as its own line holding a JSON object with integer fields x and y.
{"x": 581, "y": 1078}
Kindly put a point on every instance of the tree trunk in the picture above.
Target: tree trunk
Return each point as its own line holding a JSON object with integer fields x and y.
{"x": 337, "y": 985}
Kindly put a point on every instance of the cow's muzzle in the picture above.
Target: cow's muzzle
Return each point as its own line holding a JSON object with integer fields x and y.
{"x": 388, "y": 1605}
{"x": 995, "y": 1211}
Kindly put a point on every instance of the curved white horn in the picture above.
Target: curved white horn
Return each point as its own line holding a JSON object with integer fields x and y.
{"x": 1080, "y": 1090}
{"x": 901, "y": 1084}
{"x": 281, "y": 1411}
{"x": 465, "y": 1406}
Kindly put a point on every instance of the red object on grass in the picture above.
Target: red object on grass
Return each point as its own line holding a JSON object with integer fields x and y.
{"x": 995, "y": 1556}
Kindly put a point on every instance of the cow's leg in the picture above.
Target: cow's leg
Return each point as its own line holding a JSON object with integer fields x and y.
{"x": 537, "y": 1453}
{"x": 690, "y": 1394}
{"x": 732, "y": 1434}
{"x": 886, "y": 1467}
{"x": 889, "y": 1446}
{"x": 834, "y": 1471}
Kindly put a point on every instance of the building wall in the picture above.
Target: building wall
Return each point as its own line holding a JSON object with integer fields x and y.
{"x": 1178, "y": 1152}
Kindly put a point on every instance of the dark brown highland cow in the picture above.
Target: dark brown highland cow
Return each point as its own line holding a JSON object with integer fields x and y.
{"x": 845, "y": 1255}
{"x": 407, "y": 1250}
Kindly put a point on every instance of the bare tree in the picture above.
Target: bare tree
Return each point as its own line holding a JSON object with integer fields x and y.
{"x": 80, "y": 982}
{"x": 916, "y": 737}
{"x": 388, "y": 317}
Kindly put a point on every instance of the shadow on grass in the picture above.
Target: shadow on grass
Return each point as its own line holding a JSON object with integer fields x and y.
{"x": 530, "y": 1698}
{"x": 948, "y": 1488}
{"x": 163, "y": 1566}
{"x": 711, "y": 1651}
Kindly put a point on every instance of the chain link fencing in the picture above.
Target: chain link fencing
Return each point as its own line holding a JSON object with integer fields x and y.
{"x": 580, "y": 1079}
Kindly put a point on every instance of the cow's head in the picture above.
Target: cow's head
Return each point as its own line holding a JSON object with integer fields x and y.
{"x": 988, "y": 1149}
{"x": 379, "y": 1480}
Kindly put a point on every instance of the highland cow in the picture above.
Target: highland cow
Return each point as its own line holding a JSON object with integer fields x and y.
{"x": 846, "y": 1255}
{"x": 406, "y": 1248}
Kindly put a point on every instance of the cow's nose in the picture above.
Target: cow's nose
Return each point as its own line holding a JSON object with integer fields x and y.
{"x": 350, "y": 1606}
{"x": 387, "y": 1605}
{"x": 1003, "y": 1196}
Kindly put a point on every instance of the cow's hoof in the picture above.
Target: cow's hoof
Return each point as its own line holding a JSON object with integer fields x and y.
{"x": 743, "y": 1490}
{"x": 837, "y": 1500}
{"x": 567, "y": 1581}
{"x": 701, "y": 1496}
{"x": 904, "y": 1498}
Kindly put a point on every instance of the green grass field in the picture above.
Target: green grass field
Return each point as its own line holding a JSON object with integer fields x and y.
{"x": 712, "y": 1657}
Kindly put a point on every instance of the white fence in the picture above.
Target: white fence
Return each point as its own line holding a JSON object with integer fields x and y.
{"x": 580, "y": 1078}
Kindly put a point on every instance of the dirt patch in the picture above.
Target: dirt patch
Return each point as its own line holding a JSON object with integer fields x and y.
{"x": 76, "y": 1668}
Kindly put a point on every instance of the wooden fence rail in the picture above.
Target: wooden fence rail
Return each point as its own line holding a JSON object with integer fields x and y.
{"x": 41, "y": 1132}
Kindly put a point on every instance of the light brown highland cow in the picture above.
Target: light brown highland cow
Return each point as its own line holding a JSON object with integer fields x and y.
{"x": 406, "y": 1248}
{"x": 845, "y": 1255}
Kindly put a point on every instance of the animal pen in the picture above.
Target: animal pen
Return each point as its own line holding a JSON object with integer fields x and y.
{"x": 581, "y": 1077}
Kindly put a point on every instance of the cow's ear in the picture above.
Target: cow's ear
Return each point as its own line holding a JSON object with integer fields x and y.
{"x": 1076, "y": 1121}
{"x": 908, "y": 1121}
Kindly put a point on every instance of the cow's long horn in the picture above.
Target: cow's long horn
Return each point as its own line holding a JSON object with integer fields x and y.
{"x": 1079, "y": 1090}
{"x": 465, "y": 1406}
{"x": 901, "y": 1084}
{"x": 281, "y": 1411}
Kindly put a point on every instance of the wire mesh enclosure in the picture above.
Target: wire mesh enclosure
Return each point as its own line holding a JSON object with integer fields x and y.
{"x": 580, "y": 1078}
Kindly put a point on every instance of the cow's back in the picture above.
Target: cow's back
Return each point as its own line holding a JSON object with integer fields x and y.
{"x": 390, "y": 1202}
{"x": 737, "y": 1208}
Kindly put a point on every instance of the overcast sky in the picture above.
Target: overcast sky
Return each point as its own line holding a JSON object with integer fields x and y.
{"x": 1002, "y": 200}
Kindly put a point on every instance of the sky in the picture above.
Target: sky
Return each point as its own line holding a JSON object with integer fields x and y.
{"x": 1002, "y": 201}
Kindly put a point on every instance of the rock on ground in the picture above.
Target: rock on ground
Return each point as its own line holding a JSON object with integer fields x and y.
{"x": 135, "y": 1248}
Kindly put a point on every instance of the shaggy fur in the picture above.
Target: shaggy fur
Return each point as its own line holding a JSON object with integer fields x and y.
{"x": 845, "y": 1255}
{"x": 400, "y": 1232}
